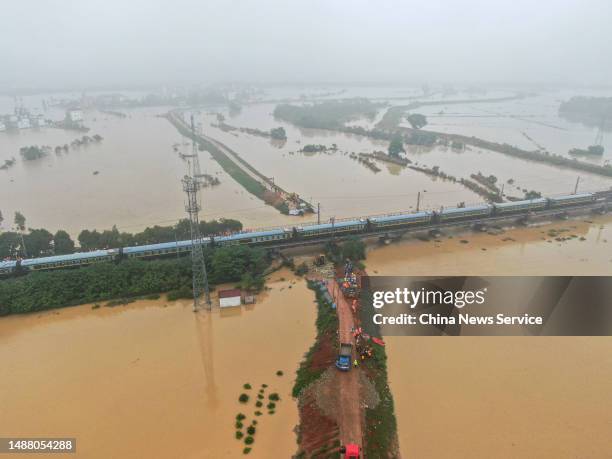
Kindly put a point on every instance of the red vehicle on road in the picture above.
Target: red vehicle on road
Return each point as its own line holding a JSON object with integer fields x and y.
{"x": 350, "y": 451}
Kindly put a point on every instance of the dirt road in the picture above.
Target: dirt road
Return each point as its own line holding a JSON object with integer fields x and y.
{"x": 350, "y": 416}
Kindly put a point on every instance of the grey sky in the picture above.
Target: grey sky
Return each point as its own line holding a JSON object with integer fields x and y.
{"x": 59, "y": 43}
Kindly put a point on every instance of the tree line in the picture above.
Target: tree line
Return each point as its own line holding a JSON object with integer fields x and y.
{"x": 20, "y": 243}
{"x": 43, "y": 290}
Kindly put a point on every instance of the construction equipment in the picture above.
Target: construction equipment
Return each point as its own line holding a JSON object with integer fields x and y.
{"x": 343, "y": 362}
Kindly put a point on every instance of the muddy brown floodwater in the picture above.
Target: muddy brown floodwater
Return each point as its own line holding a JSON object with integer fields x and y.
{"x": 152, "y": 379}
{"x": 502, "y": 397}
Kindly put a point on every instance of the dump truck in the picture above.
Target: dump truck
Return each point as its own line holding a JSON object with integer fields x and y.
{"x": 343, "y": 362}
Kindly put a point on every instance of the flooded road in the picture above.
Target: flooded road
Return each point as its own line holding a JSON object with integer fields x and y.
{"x": 152, "y": 379}
{"x": 502, "y": 397}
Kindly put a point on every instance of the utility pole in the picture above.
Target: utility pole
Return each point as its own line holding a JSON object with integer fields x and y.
{"x": 318, "y": 213}
{"x": 191, "y": 186}
{"x": 418, "y": 201}
{"x": 501, "y": 192}
{"x": 576, "y": 187}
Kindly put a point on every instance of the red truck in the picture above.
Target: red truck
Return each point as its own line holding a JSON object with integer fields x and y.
{"x": 350, "y": 451}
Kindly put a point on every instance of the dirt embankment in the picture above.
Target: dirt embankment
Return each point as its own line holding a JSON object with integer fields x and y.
{"x": 318, "y": 432}
{"x": 340, "y": 408}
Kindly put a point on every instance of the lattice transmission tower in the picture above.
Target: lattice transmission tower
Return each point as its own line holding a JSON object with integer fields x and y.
{"x": 191, "y": 186}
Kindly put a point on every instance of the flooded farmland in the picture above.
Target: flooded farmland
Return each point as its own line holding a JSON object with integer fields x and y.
{"x": 132, "y": 178}
{"x": 169, "y": 377}
{"x": 502, "y": 396}
{"x": 137, "y": 182}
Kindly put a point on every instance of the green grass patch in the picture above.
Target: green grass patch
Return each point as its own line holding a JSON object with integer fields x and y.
{"x": 327, "y": 325}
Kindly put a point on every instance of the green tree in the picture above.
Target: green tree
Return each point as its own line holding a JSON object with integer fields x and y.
{"x": 20, "y": 221}
{"x": 416, "y": 120}
{"x": 354, "y": 249}
{"x": 396, "y": 146}
{"x": 89, "y": 240}
{"x": 1, "y": 218}
{"x": 9, "y": 244}
{"x": 278, "y": 133}
{"x": 62, "y": 243}
{"x": 38, "y": 242}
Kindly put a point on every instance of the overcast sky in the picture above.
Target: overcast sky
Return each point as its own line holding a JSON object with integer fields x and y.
{"x": 88, "y": 43}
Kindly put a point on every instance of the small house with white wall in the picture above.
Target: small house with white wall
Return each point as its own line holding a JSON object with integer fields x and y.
{"x": 230, "y": 298}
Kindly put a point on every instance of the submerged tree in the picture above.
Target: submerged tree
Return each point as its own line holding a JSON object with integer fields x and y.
{"x": 396, "y": 146}
{"x": 416, "y": 120}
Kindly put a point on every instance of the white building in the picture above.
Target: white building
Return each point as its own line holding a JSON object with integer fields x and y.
{"x": 230, "y": 298}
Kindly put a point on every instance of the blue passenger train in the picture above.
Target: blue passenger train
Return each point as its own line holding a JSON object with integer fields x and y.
{"x": 305, "y": 232}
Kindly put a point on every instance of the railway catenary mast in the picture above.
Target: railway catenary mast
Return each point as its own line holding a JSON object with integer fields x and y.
{"x": 191, "y": 186}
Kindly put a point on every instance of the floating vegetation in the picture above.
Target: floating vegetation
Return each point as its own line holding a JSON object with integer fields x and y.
{"x": 243, "y": 398}
{"x": 246, "y": 450}
{"x": 247, "y": 386}
{"x": 249, "y": 440}
{"x": 239, "y": 435}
